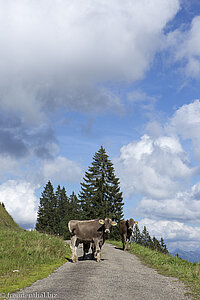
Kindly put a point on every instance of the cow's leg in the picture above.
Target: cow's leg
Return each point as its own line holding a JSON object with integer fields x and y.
{"x": 97, "y": 250}
{"x": 124, "y": 242}
{"x": 74, "y": 246}
{"x": 86, "y": 247}
{"x": 129, "y": 242}
{"x": 93, "y": 249}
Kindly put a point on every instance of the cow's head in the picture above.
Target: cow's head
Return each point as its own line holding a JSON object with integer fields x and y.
{"x": 130, "y": 223}
{"x": 107, "y": 224}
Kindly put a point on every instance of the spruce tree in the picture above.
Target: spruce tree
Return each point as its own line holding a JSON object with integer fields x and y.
{"x": 137, "y": 238}
{"x": 74, "y": 207}
{"x": 163, "y": 246}
{"x": 156, "y": 245}
{"x": 145, "y": 238}
{"x": 48, "y": 219}
{"x": 71, "y": 211}
{"x": 63, "y": 210}
{"x": 100, "y": 194}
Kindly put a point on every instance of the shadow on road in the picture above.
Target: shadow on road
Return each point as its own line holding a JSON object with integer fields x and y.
{"x": 119, "y": 248}
{"x": 88, "y": 257}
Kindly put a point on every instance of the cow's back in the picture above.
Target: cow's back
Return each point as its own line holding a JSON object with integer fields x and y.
{"x": 86, "y": 230}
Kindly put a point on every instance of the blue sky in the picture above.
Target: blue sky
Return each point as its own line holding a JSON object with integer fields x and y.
{"x": 77, "y": 75}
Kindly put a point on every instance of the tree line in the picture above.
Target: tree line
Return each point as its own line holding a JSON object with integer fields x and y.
{"x": 56, "y": 209}
{"x": 144, "y": 239}
{"x": 99, "y": 197}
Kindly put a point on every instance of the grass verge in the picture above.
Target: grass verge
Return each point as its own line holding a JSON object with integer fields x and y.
{"x": 168, "y": 265}
{"x": 28, "y": 256}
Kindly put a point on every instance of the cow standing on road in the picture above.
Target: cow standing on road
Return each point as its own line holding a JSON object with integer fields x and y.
{"x": 126, "y": 231}
{"x": 90, "y": 231}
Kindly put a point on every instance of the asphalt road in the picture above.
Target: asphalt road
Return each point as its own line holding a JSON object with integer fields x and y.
{"x": 120, "y": 275}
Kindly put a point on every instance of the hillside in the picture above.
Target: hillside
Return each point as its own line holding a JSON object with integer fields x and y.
{"x": 6, "y": 221}
{"x": 26, "y": 256}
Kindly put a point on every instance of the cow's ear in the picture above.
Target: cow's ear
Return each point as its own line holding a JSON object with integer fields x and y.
{"x": 113, "y": 223}
{"x": 101, "y": 222}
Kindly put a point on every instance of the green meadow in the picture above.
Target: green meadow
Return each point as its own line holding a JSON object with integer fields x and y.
{"x": 28, "y": 256}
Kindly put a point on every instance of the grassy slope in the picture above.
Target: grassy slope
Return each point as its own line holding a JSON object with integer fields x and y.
{"x": 168, "y": 265}
{"x": 31, "y": 255}
{"x": 6, "y": 221}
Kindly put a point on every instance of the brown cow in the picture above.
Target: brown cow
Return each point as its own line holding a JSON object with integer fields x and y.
{"x": 89, "y": 231}
{"x": 126, "y": 231}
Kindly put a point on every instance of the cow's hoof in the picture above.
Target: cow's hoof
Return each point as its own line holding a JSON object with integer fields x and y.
{"x": 75, "y": 258}
{"x": 98, "y": 257}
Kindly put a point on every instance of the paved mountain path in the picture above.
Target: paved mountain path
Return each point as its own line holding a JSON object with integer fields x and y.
{"x": 120, "y": 275}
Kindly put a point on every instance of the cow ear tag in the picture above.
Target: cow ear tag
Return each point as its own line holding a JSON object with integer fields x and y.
{"x": 136, "y": 222}
{"x": 101, "y": 222}
{"x": 114, "y": 223}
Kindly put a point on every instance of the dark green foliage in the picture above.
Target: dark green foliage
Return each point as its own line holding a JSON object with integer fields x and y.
{"x": 100, "y": 195}
{"x": 137, "y": 238}
{"x": 145, "y": 240}
{"x": 163, "y": 246}
{"x": 72, "y": 212}
{"x": 63, "y": 212}
{"x": 156, "y": 245}
{"x": 48, "y": 217}
{"x": 74, "y": 208}
{"x": 56, "y": 210}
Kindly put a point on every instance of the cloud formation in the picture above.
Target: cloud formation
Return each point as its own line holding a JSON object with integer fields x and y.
{"x": 20, "y": 201}
{"x": 19, "y": 195}
{"x": 153, "y": 167}
{"x": 176, "y": 234}
{"x": 186, "y": 123}
{"x": 54, "y": 52}
{"x": 183, "y": 207}
{"x": 158, "y": 169}
{"x": 61, "y": 169}
{"x": 185, "y": 48}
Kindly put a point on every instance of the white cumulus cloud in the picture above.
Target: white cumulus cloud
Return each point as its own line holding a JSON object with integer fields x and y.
{"x": 186, "y": 123}
{"x": 54, "y": 52}
{"x": 20, "y": 201}
{"x": 183, "y": 207}
{"x": 176, "y": 234}
{"x": 152, "y": 167}
{"x": 61, "y": 169}
{"x": 185, "y": 47}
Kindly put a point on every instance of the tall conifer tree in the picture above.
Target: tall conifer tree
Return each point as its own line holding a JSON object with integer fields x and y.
{"x": 100, "y": 194}
{"x": 63, "y": 210}
{"x": 74, "y": 208}
{"x": 47, "y": 219}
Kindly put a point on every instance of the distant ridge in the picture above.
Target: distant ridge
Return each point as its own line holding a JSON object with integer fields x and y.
{"x": 192, "y": 256}
{"x": 6, "y": 221}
